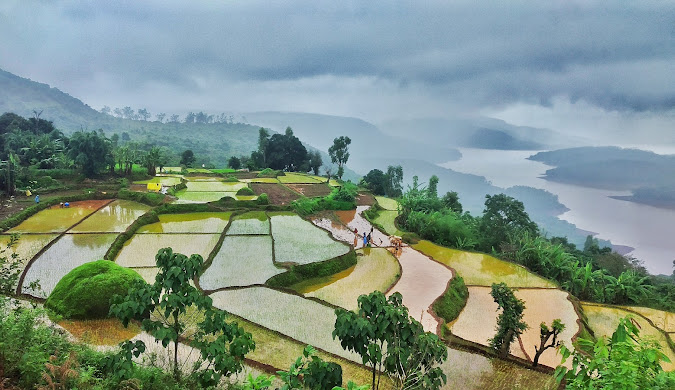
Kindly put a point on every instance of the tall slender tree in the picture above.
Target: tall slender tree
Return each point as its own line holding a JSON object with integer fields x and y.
{"x": 339, "y": 153}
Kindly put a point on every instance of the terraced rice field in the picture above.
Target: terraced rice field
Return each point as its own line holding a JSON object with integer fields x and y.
{"x": 478, "y": 321}
{"x": 186, "y": 196}
{"x": 376, "y": 269}
{"x": 663, "y": 320}
{"x": 298, "y": 241}
{"x": 115, "y": 217}
{"x": 214, "y": 186}
{"x": 298, "y": 178}
{"x": 386, "y": 220}
{"x": 311, "y": 190}
{"x": 208, "y": 222}
{"x": 26, "y": 248}
{"x": 253, "y": 222}
{"x": 418, "y": 270}
{"x": 604, "y": 320}
{"x": 353, "y": 219}
{"x": 336, "y": 229}
{"x": 387, "y": 203}
{"x": 263, "y": 180}
{"x": 56, "y": 219}
{"x": 70, "y": 251}
{"x": 141, "y": 249}
{"x": 164, "y": 180}
{"x": 284, "y": 313}
{"x": 147, "y": 273}
{"x": 482, "y": 270}
{"x": 241, "y": 261}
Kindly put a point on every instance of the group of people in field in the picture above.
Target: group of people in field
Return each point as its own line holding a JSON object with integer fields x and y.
{"x": 367, "y": 238}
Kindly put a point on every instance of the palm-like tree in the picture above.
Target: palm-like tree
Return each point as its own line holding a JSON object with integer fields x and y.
{"x": 629, "y": 287}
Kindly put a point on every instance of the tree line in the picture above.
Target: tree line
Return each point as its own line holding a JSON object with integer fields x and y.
{"x": 142, "y": 114}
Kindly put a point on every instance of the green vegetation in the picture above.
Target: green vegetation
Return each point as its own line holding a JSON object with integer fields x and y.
{"x": 339, "y": 153}
{"x": 73, "y": 298}
{"x": 245, "y": 191}
{"x": 300, "y": 273}
{"x": 450, "y": 304}
{"x": 388, "y": 184}
{"x": 510, "y": 322}
{"x": 623, "y": 362}
{"x": 222, "y": 345}
{"x": 340, "y": 198}
{"x": 382, "y": 321}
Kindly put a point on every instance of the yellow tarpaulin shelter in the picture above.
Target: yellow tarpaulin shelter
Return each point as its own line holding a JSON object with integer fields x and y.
{"x": 155, "y": 187}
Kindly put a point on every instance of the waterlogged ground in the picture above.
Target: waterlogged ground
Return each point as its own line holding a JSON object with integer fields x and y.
{"x": 253, "y": 222}
{"x": 354, "y": 220}
{"x": 478, "y": 321}
{"x": 376, "y": 269}
{"x": 211, "y": 222}
{"x": 604, "y": 320}
{"x": 662, "y": 319}
{"x": 56, "y": 219}
{"x": 68, "y": 252}
{"x": 298, "y": 241}
{"x": 482, "y": 270}
{"x": 27, "y": 246}
{"x": 141, "y": 249}
{"x": 115, "y": 217}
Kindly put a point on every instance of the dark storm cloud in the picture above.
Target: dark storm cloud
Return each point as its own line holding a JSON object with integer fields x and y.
{"x": 614, "y": 54}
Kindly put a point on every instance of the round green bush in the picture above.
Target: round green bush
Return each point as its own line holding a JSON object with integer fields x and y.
{"x": 263, "y": 199}
{"x": 245, "y": 191}
{"x": 86, "y": 291}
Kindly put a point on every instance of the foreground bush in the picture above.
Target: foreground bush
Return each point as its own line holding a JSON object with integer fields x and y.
{"x": 450, "y": 304}
{"x": 85, "y": 292}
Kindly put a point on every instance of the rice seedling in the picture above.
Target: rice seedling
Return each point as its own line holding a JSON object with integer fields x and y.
{"x": 208, "y": 222}
{"x": 70, "y": 251}
{"x": 141, "y": 250}
{"x": 481, "y": 269}
{"x": 298, "y": 241}
{"x": 285, "y": 313}
{"x": 115, "y": 217}
{"x": 241, "y": 261}
{"x": 376, "y": 269}
{"x": 253, "y": 222}
{"x": 186, "y": 196}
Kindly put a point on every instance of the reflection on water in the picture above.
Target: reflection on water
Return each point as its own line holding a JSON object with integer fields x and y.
{"x": 645, "y": 228}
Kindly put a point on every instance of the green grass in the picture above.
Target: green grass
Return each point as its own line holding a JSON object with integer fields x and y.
{"x": 450, "y": 304}
{"x": 299, "y": 241}
{"x": 299, "y": 178}
{"x": 214, "y": 186}
{"x": 385, "y": 219}
{"x": 241, "y": 261}
{"x": 85, "y": 292}
{"x": 223, "y": 170}
{"x": 141, "y": 250}
{"x": 69, "y": 252}
{"x": 387, "y": 203}
{"x": 115, "y": 217}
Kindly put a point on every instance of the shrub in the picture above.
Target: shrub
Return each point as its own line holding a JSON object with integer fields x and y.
{"x": 268, "y": 172}
{"x": 263, "y": 199}
{"x": 450, "y": 304}
{"x": 231, "y": 179}
{"x": 245, "y": 191}
{"x": 124, "y": 182}
{"x": 85, "y": 292}
{"x": 410, "y": 238}
{"x": 313, "y": 270}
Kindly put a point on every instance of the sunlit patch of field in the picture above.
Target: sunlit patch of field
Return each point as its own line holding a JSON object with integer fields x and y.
{"x": 376, "y": 269}
{"x": 115, "y": 217}
{"x": 481, "y": 269}
{"x": 107, "y": 331}
{"x": 57, "y": 219}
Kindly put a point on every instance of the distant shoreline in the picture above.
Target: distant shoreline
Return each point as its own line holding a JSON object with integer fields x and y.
{"x": 649, "y": 202}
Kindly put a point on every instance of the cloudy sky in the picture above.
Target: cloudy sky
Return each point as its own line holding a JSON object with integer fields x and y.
{"x": 529, "y": 62}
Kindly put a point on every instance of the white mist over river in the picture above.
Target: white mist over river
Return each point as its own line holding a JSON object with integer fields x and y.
{"x": 647, "y": 229}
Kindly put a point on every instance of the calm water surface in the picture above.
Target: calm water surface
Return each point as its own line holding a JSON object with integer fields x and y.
{"x": 647, "y": 229}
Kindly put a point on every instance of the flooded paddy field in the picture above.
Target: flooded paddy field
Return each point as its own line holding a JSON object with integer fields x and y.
{"x": 208, "y": 222}
{"x": 113, "y": 218}
{"x": 299, "y": 241}
{"x": 141, "y": 249}
{"x": 58, "y": 219}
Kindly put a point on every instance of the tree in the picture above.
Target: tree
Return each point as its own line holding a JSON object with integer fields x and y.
{"x": 510, "y": 321}
{"x": 376, "y": 181}
{"x": 153, "y": 158}
{"x": 234, "y": 162}
{"x": 263, "y": 141}
{"x": 161, "y": 306}
{"x": 190, "y": 117}
{"x": 451, "y": 201}
{"x": 311, "y": 372}
{"x": 160, "y": 117}
{"x": 504, "y": 218}
{"x": 388, "y": 339}
{"x": 545, "y": 333}
{"x": 286, "y": 152}
{"x": 394, "y": 187}
{"x": 143, "y": 114}
{"x": 187, "y": 158}
{"x": 128, "y": 113}
{"x": 174, "y": 118}
{"x": 432, "y": 188}
{"x": 118, "y": 112}
{"x": 106, "y": 110}
{"x": 90, "y": 151}
{"x": 9, "y": 172}
{"x": 623, "y": 362}
{"x": 315, "y": 161}
{"x": 339, "y": 153}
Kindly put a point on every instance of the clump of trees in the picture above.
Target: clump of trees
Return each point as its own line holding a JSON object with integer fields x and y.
{"x": 387, "y": 184}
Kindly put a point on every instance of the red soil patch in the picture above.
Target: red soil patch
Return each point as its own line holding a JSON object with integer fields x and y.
{"x": 277, "y": 193}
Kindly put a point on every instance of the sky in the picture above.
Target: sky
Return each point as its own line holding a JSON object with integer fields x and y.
{"x": 571, "y": 65}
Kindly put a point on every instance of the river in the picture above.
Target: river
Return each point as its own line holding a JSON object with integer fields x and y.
{"x": 645, "y": 228}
